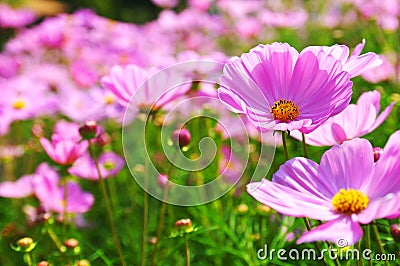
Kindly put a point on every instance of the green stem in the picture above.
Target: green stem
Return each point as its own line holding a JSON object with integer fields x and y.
{"x": 305, "y": 219}
{"x": 304, "y": 145}
{"x": 108, "y": 206}
{"x": 65, "y": 202}
{"x": 368, "y": 240}
{"x": 358, "y": 247}
{"x": 145, "y": 213}
{"x": 378, "y": 239}
{"x": 55, "y": 239}
{"x": 28, "y": 259}
{"x": 285, "y": 149}
{"x": 162, "y": 212}
{"x": 187, "y": 252}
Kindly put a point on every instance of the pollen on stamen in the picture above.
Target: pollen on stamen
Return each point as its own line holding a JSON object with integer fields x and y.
{"x": 350, "y": 201}
{"x": 19, "y": 104}
{"x": 285, "y": 110}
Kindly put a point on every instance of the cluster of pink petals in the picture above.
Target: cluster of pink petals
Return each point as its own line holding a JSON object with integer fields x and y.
{"x": 109, "y": 165}
{"x": 313, "y": 79}
{"x": 146, "y": 91}
{"x": 302, "y": 188}
{"x": 44, "y": 185}
{"x": 15, "y": 18}
{"x": 356, "y": 120}
{"x": 64, "y": 151}
{"x": 165, "y": 3}
{"x": 66, "y": 144}
{"x": 385, "y": 12}
{"x": 386, "y": 71}
{"x": 354, "y": 63}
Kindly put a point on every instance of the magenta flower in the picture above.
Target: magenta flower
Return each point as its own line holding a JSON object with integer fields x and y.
{"x": 15, "y": 18}
{"x": 347, "y": 188}
{"x": 21, "y": 188}
{"x": 385, "y": 71}
{"x": 44, "y": 184}
{"x": 127, "y": 81}
{"x": 280, "y": 89}
{"x": 165, "y": 3}
{"x": 355, "y": 64}
{"x": 109, "y": 163}
{"x": 356, "y": 120}
{"x": 64, "y": 151}
{"x": 51, "y": 195}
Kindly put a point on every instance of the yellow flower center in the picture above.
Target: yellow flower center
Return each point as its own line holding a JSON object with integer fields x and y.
{"x": 108, "y": 165}
{"x": 350, "y": 201}
{"x": 109, "y": 99}
{"x": 285, "y": 110}
{"x": 19, "y": 104}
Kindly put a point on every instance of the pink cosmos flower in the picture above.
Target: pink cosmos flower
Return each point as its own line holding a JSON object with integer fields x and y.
{"x": 280, "y": 89}
{"x": 165, "y": 3}
{"x": 109, "y": 163}
{"x": 347, "y": 188}
{"x": 64, "y": 151}
{"x": 51, "y": 195}
{"x": 380, "y": 73}
{"x": 44, "y": 184}
{"x": 356, "y": 120}
{"x": 127, "y": 81}
{"x": 15, "y": 18}
{"x": 21, "y": 188}
{"x": 202, "y": 5}
{"x": 355, "y": 64}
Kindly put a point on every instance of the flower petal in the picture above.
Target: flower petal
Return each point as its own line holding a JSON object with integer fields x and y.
{"x": 338, "y": 164}
{"x": 301, "y": 174}
{"x": 291, "y": 202}
{"x": 380, "y": 208}
{"x": 386, "y": 178}
{"x": 342, "y": 231}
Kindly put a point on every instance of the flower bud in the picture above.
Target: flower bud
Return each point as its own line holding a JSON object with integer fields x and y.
{"x": 377, "y": 153}
{"x": 181, "y": 136}
{"x": 83, "y": 263}
{"x": 162, "y": 180}
{"x": 242, "y": 208}
{"x": 71, "y": 243}
{"x": 43, "y": 263}
{"x": 88, "y": 130}
{"x": 263, "y": 209}
{"x": 102, "y": 139}
{"x": 183, "y": 224}
{"x": 395, "y": 232}
{"x": 25, "y": 242}
{"x": 152, "y": 240}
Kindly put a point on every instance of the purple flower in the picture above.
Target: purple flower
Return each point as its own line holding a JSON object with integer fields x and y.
{"x": 356, "y": 120}
{"x": 280, "y": 89}
{"x": 347, "y": 188}
{"x": 109, "y": 163}
{"x": 64, "y": 151}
